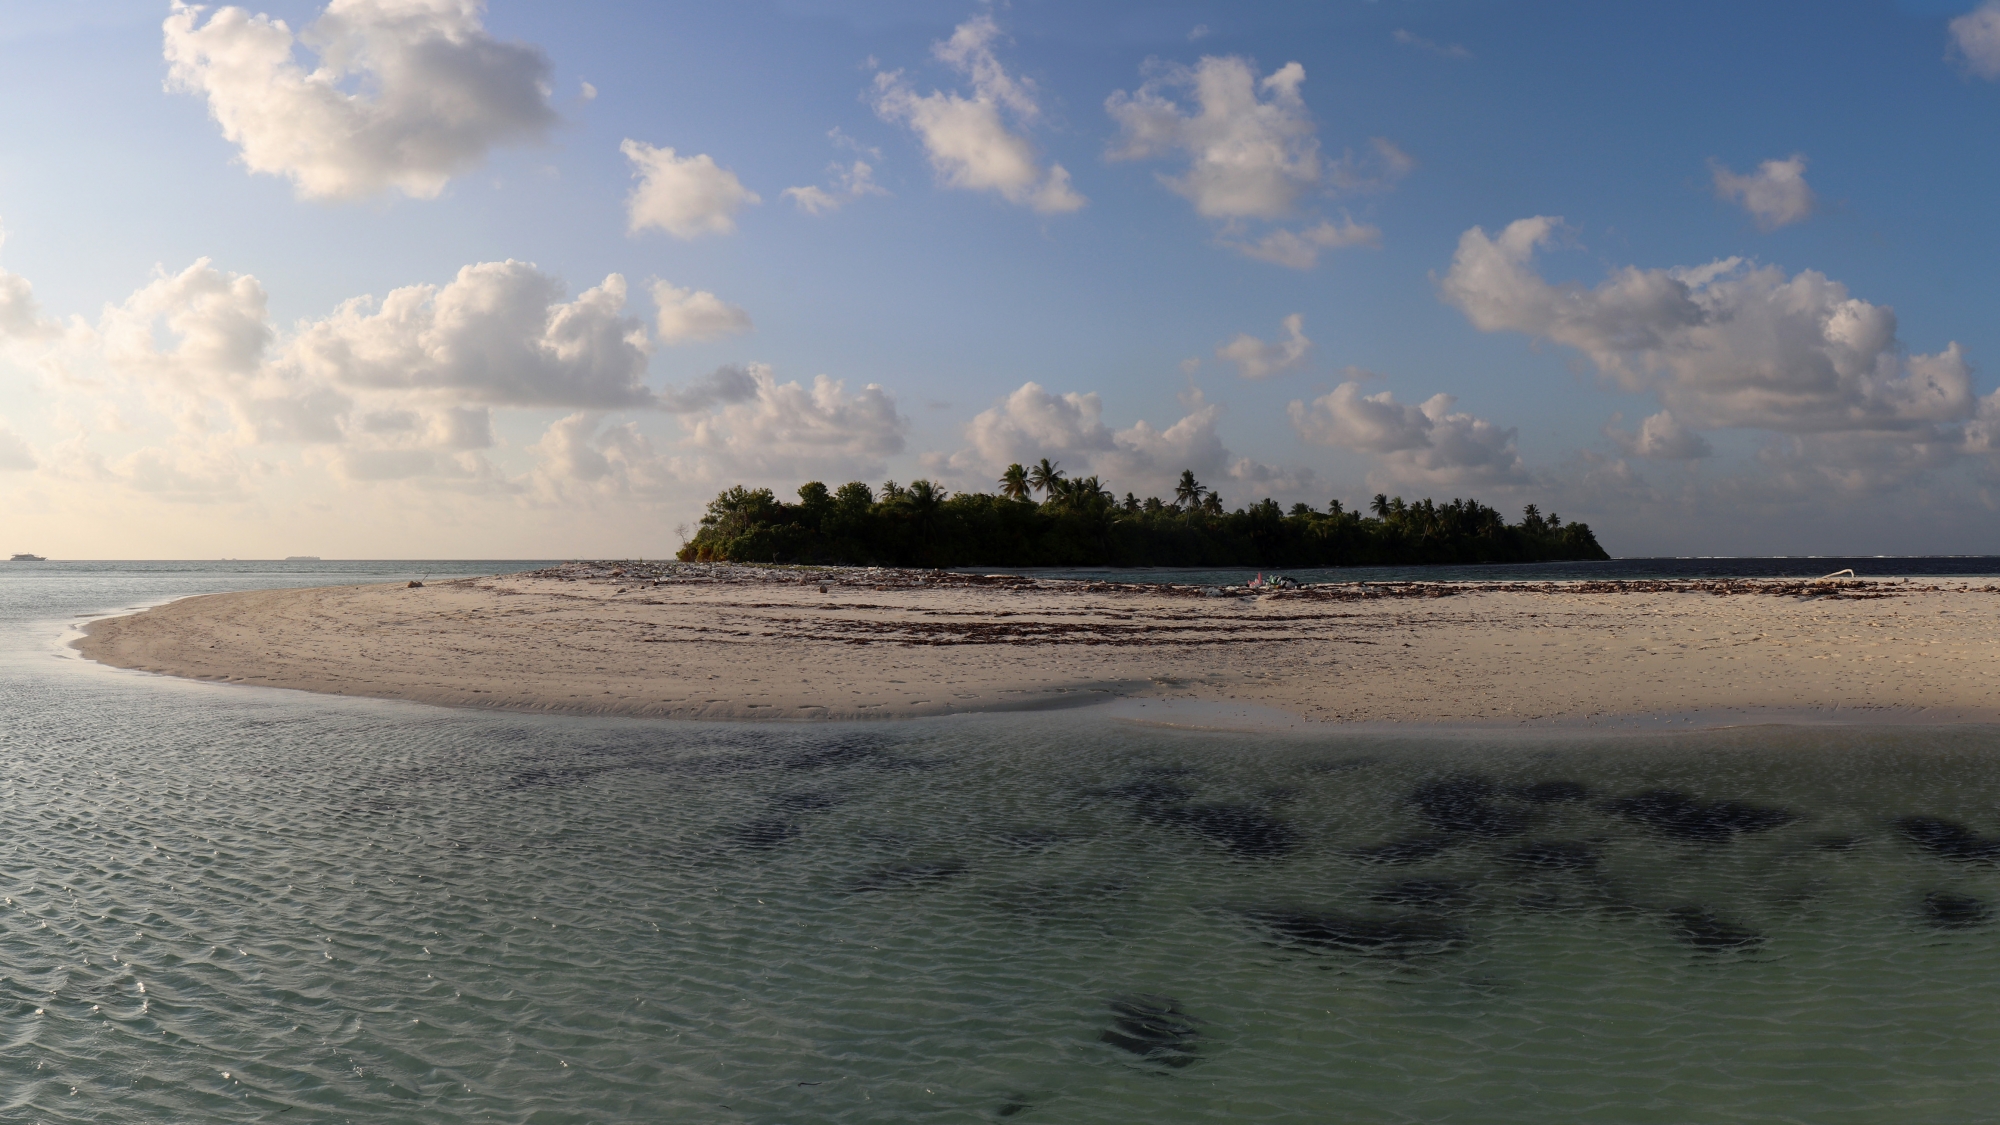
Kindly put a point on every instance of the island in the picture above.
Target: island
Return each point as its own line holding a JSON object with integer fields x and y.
{"x": 1080, "y": 522}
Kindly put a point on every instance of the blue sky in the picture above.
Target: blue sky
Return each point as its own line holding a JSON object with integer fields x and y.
{"x": 251, "y": 303}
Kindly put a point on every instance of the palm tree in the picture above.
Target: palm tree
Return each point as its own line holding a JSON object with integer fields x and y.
{"x": 1014, "y": 482}
{"x": 1380, "y": 505}
{"x": 1188, "y": 493}
{"x": 1043, "y": 477}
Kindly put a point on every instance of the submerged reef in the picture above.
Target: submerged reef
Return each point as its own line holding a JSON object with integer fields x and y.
{"x": 1949, "y": 911}
{"x": 1154, "y": 1028}
{"x": 1673, "y": 813}
{"x": 1944, "y": 838}
{"x": 1246, "y": 830}
{"x": 1406, "y": 935}
{"x": 1707, "y": 931}
{"x": 1463, "y": 806}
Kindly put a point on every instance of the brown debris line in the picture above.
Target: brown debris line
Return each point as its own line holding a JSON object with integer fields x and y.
{"x": 1197, "y": 632}
{"x": 655, "y": 574}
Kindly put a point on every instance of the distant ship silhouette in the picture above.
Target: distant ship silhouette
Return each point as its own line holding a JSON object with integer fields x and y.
{"x": 27, "y": 558}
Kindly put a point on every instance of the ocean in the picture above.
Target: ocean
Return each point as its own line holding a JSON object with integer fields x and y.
{"x": 227, "y": 904}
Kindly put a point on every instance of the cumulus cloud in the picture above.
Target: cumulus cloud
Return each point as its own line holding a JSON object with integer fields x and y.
{"x": 1252, "y": 154}
{"x": 787, "y": 430}
{"x": 202, "y": 338}
{"x": 1300, "y": 249}
{"x": 1975, "y": 39}
{"x": 1034, "y": 422}
{"x": 581, "y": 449}
{"x": 686, "y": 196}
{"x": 403, "y": 391}
{"x": 15, "y": 456}
{"x": 1381, "y": 167}
{"x": 1661, "y": 437}
{"x": 967, "y": 138}
{"x": 1425, "y": 443}
{"x": 1260, "y": 359}
{"x": 1775, "y": 195}
{"x": 1249, "y": 142}
{"x": 732, "y": 382}
{"x": 20, "y": 314}
{"x": 1728, "y": 343}
{"x": 844, "y": 186}
{"x": 688, "y": 315}
{"x": 499, "y": 333}
{"x": 406, "y": 93}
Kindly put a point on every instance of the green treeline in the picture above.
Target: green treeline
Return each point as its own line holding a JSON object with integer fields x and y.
{"x": 1080, "y": 523}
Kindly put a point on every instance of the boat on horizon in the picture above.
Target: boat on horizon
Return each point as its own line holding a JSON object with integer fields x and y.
{"x": 27, "y": 558}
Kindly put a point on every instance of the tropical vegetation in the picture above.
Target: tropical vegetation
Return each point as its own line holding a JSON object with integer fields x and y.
{"x": 1077, "y": 521}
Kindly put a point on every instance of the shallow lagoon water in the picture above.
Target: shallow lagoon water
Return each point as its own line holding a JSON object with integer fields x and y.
{"x": 231, "y": 904}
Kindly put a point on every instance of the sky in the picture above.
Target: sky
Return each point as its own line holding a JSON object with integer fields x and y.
{"x": 440, "y": 278}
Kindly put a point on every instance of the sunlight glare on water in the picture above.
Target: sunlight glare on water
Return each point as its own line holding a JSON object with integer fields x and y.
{"x": 225, "y": 903}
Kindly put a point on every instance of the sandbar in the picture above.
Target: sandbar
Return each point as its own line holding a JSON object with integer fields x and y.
{"x": 718, "y": 642}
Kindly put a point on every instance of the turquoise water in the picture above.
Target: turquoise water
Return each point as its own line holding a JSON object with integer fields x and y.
{"x": 233, "y": 904}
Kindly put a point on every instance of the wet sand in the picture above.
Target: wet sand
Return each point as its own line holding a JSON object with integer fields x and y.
{"x": 720, "y": 642}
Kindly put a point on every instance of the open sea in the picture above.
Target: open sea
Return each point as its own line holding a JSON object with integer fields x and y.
{"x": 234, "y": 904}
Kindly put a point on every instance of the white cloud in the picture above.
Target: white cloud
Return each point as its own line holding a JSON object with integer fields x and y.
{"x": 741, "y": 426}
{"x": 1033, "y": 422}
{"x": 1661, "y": 437}
{"x": 1723, "y": 344}
{"x": 1372, "y": 424}
{"x": 1975, "y": 39}
{"x": 1300, "y": 249}
{"x": 499, "y": 333}
{"x": 1258, "y": 359}
{"x": 217, "y": 338}
{"x": 1775, "y": 195}
{"x": 686, "y": 196}
{"x": 847, "y": 184}
{"x": 20, "y": 313}
{"x": 1446, "y": 50}
{"x": 1382, "y": 167}
{"x": 1252, "y": 154}
{"x": 1425, "y": 444}
{"x": 787, "y": 431}
{"x": 1250, "y": 143}
{"x": 729, "y": 383}
{"x": 15, "y": 456}
{"x": 406, "y": 93}
{"x": 967, "y": 139}
{"x": 695, "y": 314}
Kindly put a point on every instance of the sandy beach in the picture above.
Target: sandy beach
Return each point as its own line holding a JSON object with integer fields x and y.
{"x": 722, "y": 642}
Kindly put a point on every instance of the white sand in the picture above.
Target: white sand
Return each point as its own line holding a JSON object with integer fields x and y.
{"x": 740, "y": 643}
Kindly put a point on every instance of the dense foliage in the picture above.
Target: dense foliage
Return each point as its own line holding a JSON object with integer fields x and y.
{"x": 1079, "y": 523}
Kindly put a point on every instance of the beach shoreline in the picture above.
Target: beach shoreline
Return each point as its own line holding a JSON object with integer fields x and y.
{"x": 718, "y": 642}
